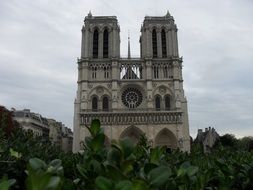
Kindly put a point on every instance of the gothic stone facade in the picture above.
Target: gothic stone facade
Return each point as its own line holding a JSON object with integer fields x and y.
{"x": 132, "y": 96}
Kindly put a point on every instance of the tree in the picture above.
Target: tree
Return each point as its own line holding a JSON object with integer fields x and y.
{"x": 228, "y": 140}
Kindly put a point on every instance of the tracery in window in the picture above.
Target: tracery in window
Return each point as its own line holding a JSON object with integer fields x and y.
{"x": 131, "y": 97}
{"x": 105, "y": 104}
{"x": 94, "y": 72}
{"x": 94, "y": 104}
{"x": 156, "y": 72}
{"x": 165, "y": 72}
{"x": 157, "y": 102}
{"x": 106, "y": 72}
{"x": 167, "y": 102}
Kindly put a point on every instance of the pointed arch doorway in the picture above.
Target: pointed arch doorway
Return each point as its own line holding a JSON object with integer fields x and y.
{"x": 166, "y": 138}
{"x": 133, "y": 133}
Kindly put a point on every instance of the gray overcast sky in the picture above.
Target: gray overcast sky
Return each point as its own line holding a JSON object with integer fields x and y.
{"x": 40, "y": 41}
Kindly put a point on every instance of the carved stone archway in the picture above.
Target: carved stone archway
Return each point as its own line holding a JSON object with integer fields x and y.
{"x": 133, "y": 133}
{"x": 166, "y": 138}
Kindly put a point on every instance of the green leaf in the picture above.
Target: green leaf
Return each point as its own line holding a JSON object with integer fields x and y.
{"x": 98, "y": 142}
{"x": 123, "y": 185}
{"x": 181, "y": 172}
{"x": 15, "y": 153}
{"x": 55, "y": 163}
{"x": 54, "y": 182}
{"x": 95, "y": 165}
{"x": 4, "y": 184}
{"x": 127, "y": 146}
{"x": 114, "y": 156}
{"x": 88, "y": 141}
{"x": 126, "y": 166}
{"x": 37, "y": 163}
{"x": 12, "y": 181}
{"x": 192, "y": 170}
{"x": 82, "y": 171}
{"x": 148, "y": 167}
{"x": 155, "y": 155}
{"x": 114, "y": 173}
{"x": 76, "y": 181}
{"x": 103, "y": 183}
{"x": 139, "y": 185}
{"x": 159, "y": 176}
{"x": 95, "y": 127}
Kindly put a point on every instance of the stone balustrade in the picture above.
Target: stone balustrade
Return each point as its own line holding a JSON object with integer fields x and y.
{"x": 156, "y": 117}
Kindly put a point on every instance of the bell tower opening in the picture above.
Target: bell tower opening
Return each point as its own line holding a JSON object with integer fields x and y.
{"x": 95, "y": 44}
{"x": 106, "y": 44}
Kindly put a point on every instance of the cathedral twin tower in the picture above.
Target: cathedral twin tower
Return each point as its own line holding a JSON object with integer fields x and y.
{"x": 131, "y": 96}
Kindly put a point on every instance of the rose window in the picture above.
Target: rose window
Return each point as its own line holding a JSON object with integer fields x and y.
{"x": 131, "y": 97}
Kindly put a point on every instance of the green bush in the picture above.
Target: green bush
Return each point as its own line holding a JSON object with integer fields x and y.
{"x": 123, "y": 166}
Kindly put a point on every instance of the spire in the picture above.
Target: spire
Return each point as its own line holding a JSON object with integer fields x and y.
{"x": 129, "y": 53}
{"x": 89, "y": 14}
{"x": 168, "y": 14}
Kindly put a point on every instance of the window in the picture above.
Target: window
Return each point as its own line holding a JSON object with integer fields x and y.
{"x": 165, "y": 72}
{"x": 105, "y": 104}
{"x": 132, "y": 97}
{"x": 157, "y": 103}
{"x": 94, "y": 104}
{"x": 140, "y": 70}
{"x": 106, "y": 72}
{"x": 94, "y": 72}
{"x": 164, "y": 51}
{"x": 105, "y": 44}
{"x": 156, "y": 72}
{"x": 95, "y": 44}
{"x": 154, "y": 43}
{"x": 167, "y": 102}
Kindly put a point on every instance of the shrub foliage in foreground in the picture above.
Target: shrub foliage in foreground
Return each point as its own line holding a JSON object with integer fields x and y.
{"x": 122, "y": 166}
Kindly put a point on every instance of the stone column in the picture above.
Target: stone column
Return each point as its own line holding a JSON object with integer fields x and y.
{"x": 148, "y": 43}
{"x": 114, "y": 42}
{"x": 149, "y": 84}
{"x": 176, "y": 43}
{"x": 84, "y": 84}
{"x": 117, "y": 44}
{"x": 174, "y": 39}
{"x": 83, "y": 48}
{"x": 115, "y": 78}
{"x": 90, "y": 44}
{"x": 87, "y": 45}
{"x": 167, "y": 43}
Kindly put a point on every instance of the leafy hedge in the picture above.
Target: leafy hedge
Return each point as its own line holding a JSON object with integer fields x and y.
{"x": 30, "y": 163}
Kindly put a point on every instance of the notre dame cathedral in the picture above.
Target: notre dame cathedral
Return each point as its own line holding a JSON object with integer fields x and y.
{"x": 131, "y": 96}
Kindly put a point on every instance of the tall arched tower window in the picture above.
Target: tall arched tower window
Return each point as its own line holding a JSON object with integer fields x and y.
{"x": 157, "y": 103}
{"x": 94, "y": 104}
{"x": 95, "y": 44}
{"x": 154, "y": 43}
{"x": 167, "y": 102}
{"x": 105, "y": 44}
{"x": 105, "y": 104}
{"x": 164, "y": 51}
